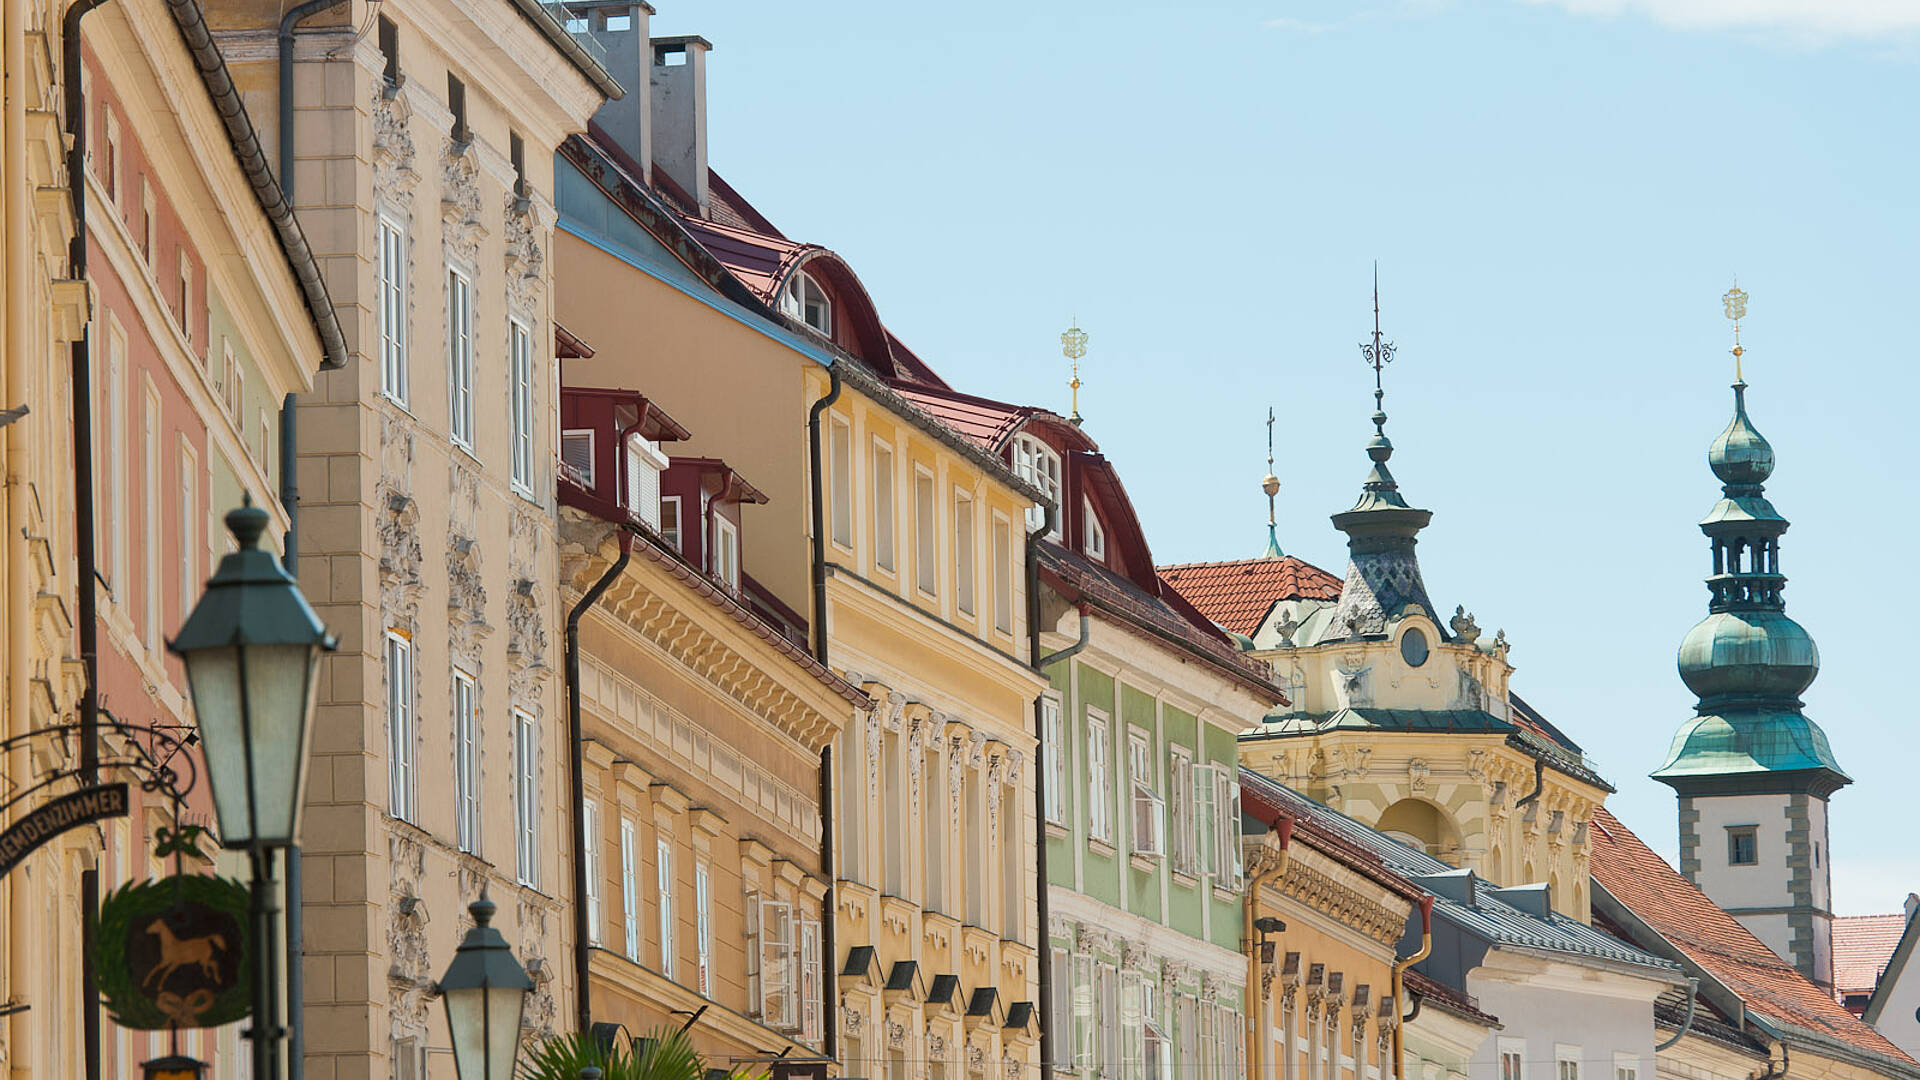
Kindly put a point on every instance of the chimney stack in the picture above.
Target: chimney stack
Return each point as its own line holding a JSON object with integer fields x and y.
{"x": 678, "y": 88}
{"x": 620, "y": 29}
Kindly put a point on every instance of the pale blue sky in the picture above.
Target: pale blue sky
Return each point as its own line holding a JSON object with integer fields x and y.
{"x": 1558, "y": 193}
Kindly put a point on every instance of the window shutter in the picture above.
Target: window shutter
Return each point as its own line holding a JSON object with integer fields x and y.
{"x": 644, "y": 466}
{"x": 810, "y": 980}
{"x": 776, "y": 964}
{"x": 1204, "y": 792}
{"x": 1231, "y": 826}
{"x": 1083, "y": 1020}
{"x": 576, "y": 451}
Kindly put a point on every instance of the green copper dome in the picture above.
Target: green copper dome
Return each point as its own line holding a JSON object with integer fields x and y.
{"x": 1741, "y": 455}
{"x": 1749, "y": 742}
{"x": 1748, "y": 655}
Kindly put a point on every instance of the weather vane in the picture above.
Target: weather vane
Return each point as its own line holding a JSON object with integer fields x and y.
{"x": 1073, "y": 345}
{"x": 1378, "y": 354}
{"x": 1271, "y": 485}
{"x": 1734, "y": 303}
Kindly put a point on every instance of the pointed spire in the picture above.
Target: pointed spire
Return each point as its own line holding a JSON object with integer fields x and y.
{"x": 1271, "y": 485}
{"x": 1073, "y": 345}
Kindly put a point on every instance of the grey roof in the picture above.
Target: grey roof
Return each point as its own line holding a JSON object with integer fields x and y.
{"x": 1486, "y": 916}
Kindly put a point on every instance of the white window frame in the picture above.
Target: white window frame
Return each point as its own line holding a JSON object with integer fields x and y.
{"x": 402, "y": 730}
{"x": 121, "y": 583}
{"x": 186, "y": 292}
{"x": 1625, "y": 1066}
{"x": 150, "y": 497}
{"x": 526, "y": 798}
{"x": 590, "y": 831}
{"x": 113, "y": 156}
{"x": 520, "y": 419}
{"x": 671, "y": 533}
{"x": 802, "y": 290}
{"x": 629, "y": 890}
{"x": 770, "y": 950}
{"x": 1093, "y": 535}
{"x": 1099, "y": 778}
{"x": 391, "y": 296}
{"x": 703, "y": 929}
{"x": 663, "y": 884}
{"x": 1182, "y": 832}
{"x": 1053, "y": 722}
{"x": 465, "y": 701}
{"x": 1060, "y": 1024}
{"x": 1036, "y": 463}
{"x": 1226, "y": 861}
{"x": 1566, "y": 1062}
{"x": 1147, "y": 820}
{"x": 190, "y": 550}
{"x": 460, "y": 361}
{"x": 840, "y": 480}
{"x": 808, "y": 985}
{"x": 643, "y": 463}
{"x": 884, "y": 509}
{"x": 1002, "y": 574}
{"x": 926, "y": 532}
{"x": 572, "y": 439}
{"x": 149, "y": 231}
{"x": 725, "y": 557}
{"x": 965, "y": 570}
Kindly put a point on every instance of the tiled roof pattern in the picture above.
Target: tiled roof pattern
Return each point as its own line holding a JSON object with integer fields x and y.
{"x": 1238, "y": 594}
{"x": 981, "y": 420}
{"x": 1488, "y": 917}
{"x": 1709, "y": 937}
{"x": 1862, "y": 945}
{"x": 760, "y": 261}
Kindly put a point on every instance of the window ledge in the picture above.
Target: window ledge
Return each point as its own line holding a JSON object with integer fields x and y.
{"x": 1185, "y": 880}
{"x": 1057, "y": 831}
{"x": 1225, "y": 894}
{"x": 1099, "y": 846}
{"x": 1144, "y": 861}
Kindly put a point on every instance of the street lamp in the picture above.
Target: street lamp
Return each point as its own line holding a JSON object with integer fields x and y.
{"x": 486, "y": 992}
{"x": 252, "y": 650}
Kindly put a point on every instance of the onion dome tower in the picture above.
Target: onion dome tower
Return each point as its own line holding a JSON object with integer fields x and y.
{"x": 1753, "y": 773}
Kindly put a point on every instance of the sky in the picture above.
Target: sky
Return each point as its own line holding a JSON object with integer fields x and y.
{"x": 1557, "y": 192}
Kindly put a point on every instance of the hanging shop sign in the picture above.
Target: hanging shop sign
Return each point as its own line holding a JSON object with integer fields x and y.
{"x": 172, "y": 952}
{"x": 57, "y": 816}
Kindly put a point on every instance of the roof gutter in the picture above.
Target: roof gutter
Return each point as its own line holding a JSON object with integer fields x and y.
{"x": 1686, "y": 1022}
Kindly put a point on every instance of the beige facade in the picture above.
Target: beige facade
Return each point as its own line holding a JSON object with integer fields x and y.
{"x": 427, "y": 532}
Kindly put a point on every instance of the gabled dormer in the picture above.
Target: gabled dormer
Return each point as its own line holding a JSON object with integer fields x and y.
{"x": 700, "y": 501}
{"x": 611, "y": 452}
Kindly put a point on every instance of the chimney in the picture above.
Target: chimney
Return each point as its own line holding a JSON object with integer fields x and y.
{"x": 678, "y": 87}
{"x": 620, "y": 32}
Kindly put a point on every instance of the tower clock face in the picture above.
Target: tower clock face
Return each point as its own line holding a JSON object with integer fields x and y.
{"x": 1413, "y": 647}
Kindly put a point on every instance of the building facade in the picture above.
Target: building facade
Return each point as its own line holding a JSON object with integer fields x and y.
{"x": 420, "y": 165}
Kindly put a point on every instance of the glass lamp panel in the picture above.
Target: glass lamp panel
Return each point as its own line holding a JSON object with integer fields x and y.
{"x": 213, "y": 678}
{"x": 485, "y": 1024}
{"x": 280, "y": 681}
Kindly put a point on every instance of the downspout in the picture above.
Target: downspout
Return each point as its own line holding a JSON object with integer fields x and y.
{"x": 1256, "y": 994}
{"x": 1043, "y": 905}
{"x": 1086, "y": 631}
{"x": 828, "y": 903}
{"x": 1771, "y": 1073}
{"x": 290, "y": 557}
{"x": 1686, "y": 1022}
{"x": 576, "y": 780}
{"x": 1539, "y": 781}
{"x": 1399, "y": 981}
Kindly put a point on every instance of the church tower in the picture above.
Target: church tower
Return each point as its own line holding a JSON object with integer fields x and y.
{"x": 1752, "y": 772}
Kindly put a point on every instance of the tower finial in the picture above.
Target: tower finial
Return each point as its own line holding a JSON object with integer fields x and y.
{"x": 1271, "y": 485}
{"x": 1073, "y": 345}
{"x": 1378, "y": 353}
{"x": 1734, "y": 303}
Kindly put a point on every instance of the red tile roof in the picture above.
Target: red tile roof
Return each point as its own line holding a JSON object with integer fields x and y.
{"x": 1862, "y": 945}
{"x": 1717, "y": 943}
{"x": 1238, "y": 594}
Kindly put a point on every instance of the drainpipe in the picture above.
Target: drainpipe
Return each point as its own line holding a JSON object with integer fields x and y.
{"x": 1086, "y": 631}
{"x": 1686, "y": 1022}
{"x": 576, "y": 778}
{"x": 1772, "y": 1073}
{"x": 1399, "y": 985}
{"x": 817, "y": 510}
{"x": 1255, "y": 993}
{"x": 1539, "y": 779}
{"x": 1043, "y": 904}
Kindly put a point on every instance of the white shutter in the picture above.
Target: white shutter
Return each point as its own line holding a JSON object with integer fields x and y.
{"x": 703, "y": 929}
{"x": 629, "y": 892}
{"x": 576, "y": 452}
{"x": 776, "y": 964}
{"x": 645, "y": 463}
{"x": 1205, "y": 791}
{"x": 810, "y": 980}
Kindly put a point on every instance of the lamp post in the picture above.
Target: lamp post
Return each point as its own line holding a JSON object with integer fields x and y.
{"x": 486, "y": 992}
{"x": 252, "y": 650}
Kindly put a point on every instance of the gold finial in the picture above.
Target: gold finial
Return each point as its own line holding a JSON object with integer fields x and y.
{"x": 1073, "y": 345}
{"x": 1734, "y": 303}
{"x": 1271, "y": 485}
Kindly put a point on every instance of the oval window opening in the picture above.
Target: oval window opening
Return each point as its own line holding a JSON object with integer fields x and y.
{"x": 1413, "y": 647}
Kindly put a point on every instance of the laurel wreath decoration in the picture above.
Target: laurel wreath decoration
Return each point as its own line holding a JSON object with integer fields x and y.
{"x": 173, "y": 952}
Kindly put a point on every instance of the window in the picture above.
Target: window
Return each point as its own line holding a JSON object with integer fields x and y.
{"x": 460, "y": 358}
{"x": 466, "y": 762}
{"x": 804, "y": 299}
{"x": 1566, "y": 1060}
{"x": 1099, "y": 786}
{"x": 1626, "y": 1067}
{"x": 703, "y": 930}
{"x": 1060, "y": 1023}
{"x": 963, "y": 552}
{"x": 670, "y": 521}
{"x": 236, "y": 393}
{"x": 112, "y": 172}
{"x": 726, "y": 552}
{"x": 1053, "y": 722}
{"x": 590, "y": 825}
{"x": 771, "y": 961}
{"x": 149, "y": 223}
{"x": 520, "y": 408}
{"x": 401, "y": 783}
{"x": 116, "y": 462}
{"x": 576, "y": 454}
{"x": 645, "y": 463}
{"x": 150, "y": 511}
{"x": 1037, "y": 464}
{"x": 895, "y": 814}
{"x": 186, "y": 294}
{"x": 457, "y": 105}
{"x": 390, "y": 51}
{"x": 1002, "y": 577}
{"x": 266, "y": 443}
{"x": 973, "y": 811}
{"x": 526, "y": 798}
{"x": 1226, "y": 826}
{"x": 883, "y": 507}
{"x": 629, "y": 892}
{"x": 937, "y": 819}
{"x": 926, "y": 538}
{"x": 810, "y": 981}
{"x": 1513, "y": 1057}
{"x": 1085, "y": 994}
{"x": 1093, "y": 535}
{"x": 1180, "y": 802}
{"x": 1013, "y": 908}
{"x": 1743, "y": 845}
{"x": 407, "y": 1064}
{"x": 1149, "y": 812}
{"x": 840, "y": 480}
{"x": 190, "y": 553}
{"x": 663, "y": 881}
{"x": 391, "y": 293}
{"x": 1109, "y": 1056}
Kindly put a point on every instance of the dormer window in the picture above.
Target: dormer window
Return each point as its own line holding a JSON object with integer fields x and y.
{"x": 1093, "y": 535}
{"x": 645, "y": 463}
{"x": 804, "y": 299}
{"x": 726, "y": 553}
{"x": 1037, "y": 464}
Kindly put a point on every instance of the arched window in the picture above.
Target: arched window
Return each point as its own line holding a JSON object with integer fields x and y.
{"x": 804, "y": 299}
{"x": 1037, "y": 464}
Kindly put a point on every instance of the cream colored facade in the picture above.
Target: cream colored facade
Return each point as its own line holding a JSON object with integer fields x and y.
{"x": 427, "y": 528}
{"x": 1471, "y": 798}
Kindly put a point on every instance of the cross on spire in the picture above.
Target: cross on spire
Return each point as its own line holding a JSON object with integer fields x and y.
{"x": 1271, "y": 485}
{"x": 1378, "y": 354}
